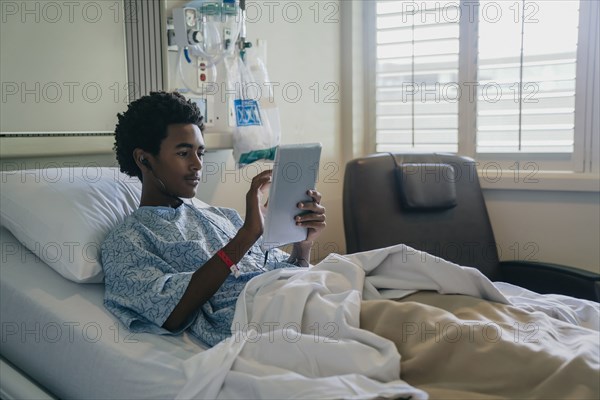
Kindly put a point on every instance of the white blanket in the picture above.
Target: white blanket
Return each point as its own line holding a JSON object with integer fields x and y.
{"x": 296, "y": 332}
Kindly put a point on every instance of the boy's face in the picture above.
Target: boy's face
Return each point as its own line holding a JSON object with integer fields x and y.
{"x": 180, "y": 160}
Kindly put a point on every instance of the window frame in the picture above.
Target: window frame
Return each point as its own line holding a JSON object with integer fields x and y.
{"x": 533, "y": 171}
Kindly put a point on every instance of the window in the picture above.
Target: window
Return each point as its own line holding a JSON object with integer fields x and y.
{"x": 504, "y": 81}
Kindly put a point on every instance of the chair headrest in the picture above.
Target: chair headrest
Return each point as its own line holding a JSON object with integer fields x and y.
{"x": 426, "y": 186}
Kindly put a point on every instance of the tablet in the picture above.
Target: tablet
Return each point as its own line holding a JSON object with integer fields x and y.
{"x": 294, "y": 172}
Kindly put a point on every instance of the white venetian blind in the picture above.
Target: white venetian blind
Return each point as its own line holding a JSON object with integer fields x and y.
{"x": 417, "y": 75}
{"x": 526, "y": 75}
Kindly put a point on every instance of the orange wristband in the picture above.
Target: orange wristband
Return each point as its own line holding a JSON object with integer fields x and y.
{"x": 235, "y": 271}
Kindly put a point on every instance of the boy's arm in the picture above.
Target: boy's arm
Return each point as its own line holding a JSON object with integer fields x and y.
{"x": 207, "y": 280}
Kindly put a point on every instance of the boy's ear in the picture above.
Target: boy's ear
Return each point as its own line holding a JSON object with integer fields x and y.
{"x": 140, "y": 158}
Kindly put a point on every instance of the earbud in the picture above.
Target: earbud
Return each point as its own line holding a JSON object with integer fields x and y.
{"x": 146, "y": 163}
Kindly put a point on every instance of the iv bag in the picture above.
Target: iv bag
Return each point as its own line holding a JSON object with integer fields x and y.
{"x": 211, "y": 42}
{"x": 257, "y": 132}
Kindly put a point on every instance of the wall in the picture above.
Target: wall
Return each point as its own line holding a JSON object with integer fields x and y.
{"x": 304, "y": 65}
{"x": 564, "y": 227}
{"x": 68, "y": 85}
{"x": 551, "y": 226}
{"x": 303, "y": 60}
{"x": 556, "y": 226}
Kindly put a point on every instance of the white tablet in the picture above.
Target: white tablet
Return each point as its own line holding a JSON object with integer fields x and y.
{"x": 295, "y": 171}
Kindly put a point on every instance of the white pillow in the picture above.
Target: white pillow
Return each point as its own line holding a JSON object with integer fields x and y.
{"x": 63, "y": 214}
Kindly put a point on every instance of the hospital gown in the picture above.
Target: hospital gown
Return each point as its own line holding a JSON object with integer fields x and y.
{"x": 149, "y": 259}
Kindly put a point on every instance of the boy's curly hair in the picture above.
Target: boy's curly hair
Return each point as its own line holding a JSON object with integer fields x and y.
{"x": 145, "y": 122}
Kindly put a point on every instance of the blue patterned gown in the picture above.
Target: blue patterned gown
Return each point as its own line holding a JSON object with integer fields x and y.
{"x": 149, "y": 259}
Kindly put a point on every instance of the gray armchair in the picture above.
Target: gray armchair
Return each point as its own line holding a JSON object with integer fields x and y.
{"x": 434, "y": 203}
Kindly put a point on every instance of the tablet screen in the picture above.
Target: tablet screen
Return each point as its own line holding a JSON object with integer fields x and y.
{"x": 295, "y": 172}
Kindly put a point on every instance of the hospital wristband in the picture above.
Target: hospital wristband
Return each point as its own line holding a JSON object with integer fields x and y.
{"x": 235, "y": 271}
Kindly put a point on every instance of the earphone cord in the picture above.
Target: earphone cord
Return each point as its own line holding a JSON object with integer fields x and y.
{"x": 164, "y": 188}
{"x": 165, "y": 191}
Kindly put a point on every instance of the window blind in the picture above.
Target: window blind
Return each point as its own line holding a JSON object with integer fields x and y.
{"x": 526, "y": 76}
{"x": 416, "y": 73}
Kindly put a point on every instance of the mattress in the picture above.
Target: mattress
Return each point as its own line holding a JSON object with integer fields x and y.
{"x": 59, "y": 333}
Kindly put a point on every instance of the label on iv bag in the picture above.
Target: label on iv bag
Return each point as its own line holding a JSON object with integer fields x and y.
{"x": 247, "y": 112}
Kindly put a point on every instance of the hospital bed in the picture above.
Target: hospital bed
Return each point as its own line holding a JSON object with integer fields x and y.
{"x": 57, "y": 339}
{"x": 61, "y": 334}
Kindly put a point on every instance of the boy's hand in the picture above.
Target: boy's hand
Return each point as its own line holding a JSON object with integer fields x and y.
{"x": 255, "y": 221}
{"x": 314, "y": 219}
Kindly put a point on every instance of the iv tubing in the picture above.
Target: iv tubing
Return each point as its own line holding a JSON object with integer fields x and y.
{"x": 213, "y": 71}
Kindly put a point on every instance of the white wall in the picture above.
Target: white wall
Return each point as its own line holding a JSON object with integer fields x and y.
{"x": 556, "y": 227}
{"x": 560, "y": 227}
{"x": 56, "y": 75}
{"x": 553, "y": 226}
{"x": 303, "y": 57}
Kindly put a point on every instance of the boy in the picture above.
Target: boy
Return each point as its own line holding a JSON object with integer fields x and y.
{"x": 167, "y": 266}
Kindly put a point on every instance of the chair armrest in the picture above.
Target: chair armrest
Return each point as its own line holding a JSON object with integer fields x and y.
{"x": 552, "y": 278}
